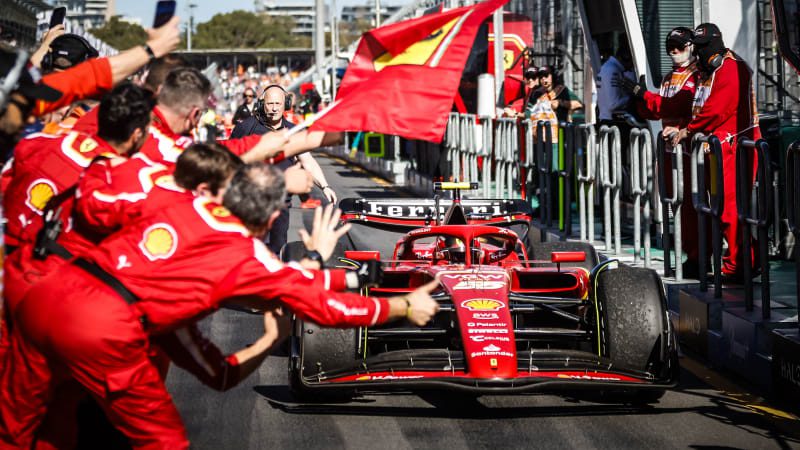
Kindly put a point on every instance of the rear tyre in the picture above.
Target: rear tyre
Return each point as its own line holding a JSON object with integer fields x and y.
{"x": 634, "y": 332}
{"x": 321, "y": 351}
{"x": 541, "y": 251}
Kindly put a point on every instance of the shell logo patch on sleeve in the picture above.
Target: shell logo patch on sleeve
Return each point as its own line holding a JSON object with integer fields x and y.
{"x": 159, "y": 241}
{"x": 39, "y": 193}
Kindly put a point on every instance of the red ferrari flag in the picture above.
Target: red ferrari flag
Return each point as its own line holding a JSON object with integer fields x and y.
{"x": 404, "y": 76}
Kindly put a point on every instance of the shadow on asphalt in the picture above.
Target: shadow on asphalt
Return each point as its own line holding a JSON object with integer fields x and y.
{"x": 443, "y": 405}
{"x": 446, "y": 405}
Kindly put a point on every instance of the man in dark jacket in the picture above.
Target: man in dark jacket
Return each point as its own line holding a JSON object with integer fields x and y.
{"x": 268, "y": 116}
{"x": 245, "y": 110}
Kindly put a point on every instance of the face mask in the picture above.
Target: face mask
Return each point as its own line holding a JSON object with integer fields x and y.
{"x": 681, "y": 58}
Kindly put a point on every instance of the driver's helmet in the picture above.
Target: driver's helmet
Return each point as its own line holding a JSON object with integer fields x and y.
{"x": 455, "y": 250}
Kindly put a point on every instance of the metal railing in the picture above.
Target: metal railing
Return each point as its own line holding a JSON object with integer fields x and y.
{"x": 748, "y": 153}
{"x": 708, "y": 201}
{"x": 544, "y": 164}
{"x": 671, "y": 201}
{"x": 506, "y": 159}
{"x": 564, "y": 173}
{"x": 641, "y": 153}
{"x": 529, "y": 162}
{"x": 586, "y": 162}
{"x": 793, "y": 208}
{"x": 610, "y": 178}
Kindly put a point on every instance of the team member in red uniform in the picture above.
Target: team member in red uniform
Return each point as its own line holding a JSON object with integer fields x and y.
{"x": 46, "y": 166}
{"x": 673, "y": 103}
{"x": 204, "y": 169}
{"x": 154, "y": 77}
{"x": 177, "y": 264}
{"x": 673, "y": 106}
{"x": 724, "y": 105}
{"x": 181, "y": 101}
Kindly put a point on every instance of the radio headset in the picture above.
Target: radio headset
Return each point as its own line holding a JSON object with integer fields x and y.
{"x": 49, "y": 58}
{"x": 258, "y": 109}
{"x": 715, "y": 61}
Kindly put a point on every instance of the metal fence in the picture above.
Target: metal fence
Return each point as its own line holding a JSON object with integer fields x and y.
{"x": 555, "y": 168}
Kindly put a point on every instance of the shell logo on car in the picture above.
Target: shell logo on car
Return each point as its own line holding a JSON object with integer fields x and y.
{"x": 159, "y": 241}
{"x": 483, "y": 304}
{"x": 39, "y": 193}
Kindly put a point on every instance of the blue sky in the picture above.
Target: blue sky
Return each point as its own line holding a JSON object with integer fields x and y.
{"x": 145, "y": 9}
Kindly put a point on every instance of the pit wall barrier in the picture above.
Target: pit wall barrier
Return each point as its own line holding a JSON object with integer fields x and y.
{"x": 628, "y": 201}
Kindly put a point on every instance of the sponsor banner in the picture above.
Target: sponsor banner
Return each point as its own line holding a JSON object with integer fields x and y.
{"x": 786, "y": 364}
{"x": 693, "y": 323}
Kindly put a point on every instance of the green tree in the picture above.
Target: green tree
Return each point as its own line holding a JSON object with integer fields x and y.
{"x": 120, "y": 35}
{"x": 242, "y": 29}
{"x": 349, "y": 32}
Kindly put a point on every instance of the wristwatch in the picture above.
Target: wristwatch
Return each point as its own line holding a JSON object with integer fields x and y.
{"x": 315, "y": 256}
{"x": 150, "y": 53}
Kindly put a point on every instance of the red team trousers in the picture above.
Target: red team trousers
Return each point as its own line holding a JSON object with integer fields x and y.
{"x": 97, "y": 340}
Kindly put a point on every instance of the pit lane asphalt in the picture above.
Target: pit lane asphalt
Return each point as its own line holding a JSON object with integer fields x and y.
{"x": 260, "y": 413}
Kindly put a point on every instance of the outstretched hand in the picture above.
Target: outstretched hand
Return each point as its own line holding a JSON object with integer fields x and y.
{"x": 423, "y": 307}
{"x": 324, "y": 234}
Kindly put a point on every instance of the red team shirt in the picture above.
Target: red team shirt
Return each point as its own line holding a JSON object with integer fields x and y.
{"x": 673, "y": 102}
{"x": 42, "y": 167}
{"x": 187, "y": 255}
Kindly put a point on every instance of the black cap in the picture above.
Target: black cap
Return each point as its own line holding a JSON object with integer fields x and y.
{"x": 545, "y": 70}
{"x": 531, "y": 72}
{"x": 69, "y": 50}
{"x": 27, "y": 82}
{"x": 680, "y": 36}
{"x": 705, "y": 33}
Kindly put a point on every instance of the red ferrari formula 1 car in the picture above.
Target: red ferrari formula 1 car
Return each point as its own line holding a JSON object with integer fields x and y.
{"x": 514, "y": 317}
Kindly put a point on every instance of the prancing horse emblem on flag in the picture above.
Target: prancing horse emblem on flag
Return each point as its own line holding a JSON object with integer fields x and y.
{"x": 426, "y": 51}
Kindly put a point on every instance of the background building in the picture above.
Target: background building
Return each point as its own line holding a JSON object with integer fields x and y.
{"x": 366, "y": 12}
{"x": 18, "y": 21}
{"x": 302, "y": 11}
{"x": 87, "y": 14}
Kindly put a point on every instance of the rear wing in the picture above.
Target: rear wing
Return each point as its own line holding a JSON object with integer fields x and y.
{"x": 401, "y": 215}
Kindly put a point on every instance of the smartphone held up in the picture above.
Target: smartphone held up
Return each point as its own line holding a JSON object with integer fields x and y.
{"x": 58, "y": 16}
{"x": 165, "y": 9}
